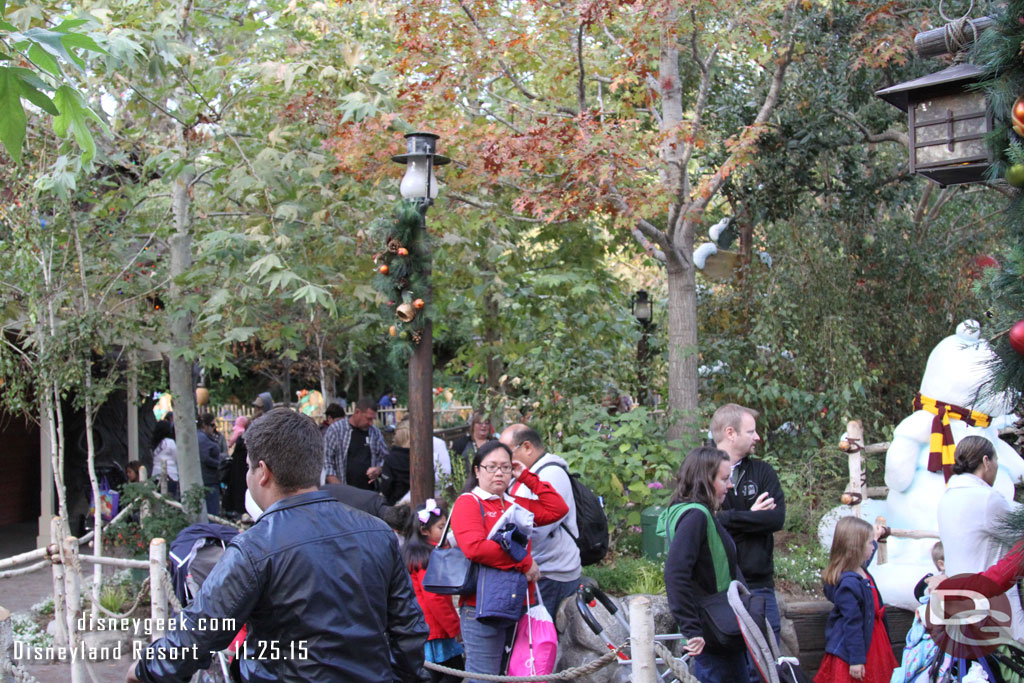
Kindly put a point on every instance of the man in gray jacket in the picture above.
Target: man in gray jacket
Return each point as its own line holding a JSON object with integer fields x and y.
{"x": 554, "y": 545}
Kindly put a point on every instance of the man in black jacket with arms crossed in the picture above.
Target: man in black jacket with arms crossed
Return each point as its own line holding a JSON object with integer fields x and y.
{"x": 755, "y": 507}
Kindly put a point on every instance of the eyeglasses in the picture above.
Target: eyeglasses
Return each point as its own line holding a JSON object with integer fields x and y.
{"x": 494, "y": 468}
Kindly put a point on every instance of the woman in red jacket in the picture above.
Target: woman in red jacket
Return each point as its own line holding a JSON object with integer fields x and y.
{"x": 473, "y": 516}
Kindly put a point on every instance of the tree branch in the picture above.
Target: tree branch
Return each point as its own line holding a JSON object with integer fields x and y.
{"x": 581, "y": 87}
{"x": 887, "y": 136}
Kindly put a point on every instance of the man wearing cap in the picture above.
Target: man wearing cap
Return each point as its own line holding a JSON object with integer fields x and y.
{"x": 354, "y": 449}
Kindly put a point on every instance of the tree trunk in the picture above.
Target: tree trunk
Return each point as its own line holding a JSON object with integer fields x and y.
{"x": 286, "y": 383}
{"x": 190, "y": 472}
{"x": 682, "y": 354}
{"x": 495, "y": 367}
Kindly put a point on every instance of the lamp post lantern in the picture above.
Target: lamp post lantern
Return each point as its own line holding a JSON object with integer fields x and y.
{"x": 644, "y": 313}
{"x": 420, "y": 184}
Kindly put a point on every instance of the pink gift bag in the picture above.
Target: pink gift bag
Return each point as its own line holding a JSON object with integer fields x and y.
{"x": 536, "y": 645}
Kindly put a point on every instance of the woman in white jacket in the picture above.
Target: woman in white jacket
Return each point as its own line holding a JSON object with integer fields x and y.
{"x": 971, "y": 513}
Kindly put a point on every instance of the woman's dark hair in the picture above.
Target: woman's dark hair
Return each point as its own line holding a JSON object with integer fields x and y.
{"x": 162, "y": 430}
{"x": 416, "y": 549}
{"x": 696, "y": 477}
{"x": 970, "y": 452}
{"x": 478, "y": 457}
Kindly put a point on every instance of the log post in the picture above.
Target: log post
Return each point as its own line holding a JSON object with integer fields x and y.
{"x": 73, "y": 590}
{"x": 933, "y": 43}
{"x": 158, "y": 595}
{"x": 6, "y": 643}
{"x": 883, "y": 545}
{"x": 641, "y": 638}
{"x": 855, "y": 437}
{"x": 55, "y": 550}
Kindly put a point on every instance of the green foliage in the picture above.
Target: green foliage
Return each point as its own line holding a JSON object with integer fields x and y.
{"x": 45, "y": 43}
{"x": 628, "y": 575}
{"x": 164, "y": 521}
{"x": 115, "y": 598}
{"x": 801, "y": 564}
{"x": 618, "y": 457}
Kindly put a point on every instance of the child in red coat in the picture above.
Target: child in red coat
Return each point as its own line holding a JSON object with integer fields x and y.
{"x": 422, "y": 534}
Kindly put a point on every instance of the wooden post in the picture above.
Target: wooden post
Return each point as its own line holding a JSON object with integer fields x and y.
{"x": 641, "y": 638}
{"x": 6, "y": 643}
{"x": 158, "y": 596}
{"x": 883, "y": 546}
{"x": 421, "y": 388}
{"x": 855, "y": 437}
{"x": 73, "y": 590}
{"x": 933, "y": 43}
{"x": 60, "y": 638}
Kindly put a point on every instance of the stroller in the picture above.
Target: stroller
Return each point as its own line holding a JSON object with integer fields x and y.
{"x": 192, "y": 555}
{"x": 761, "y": 642}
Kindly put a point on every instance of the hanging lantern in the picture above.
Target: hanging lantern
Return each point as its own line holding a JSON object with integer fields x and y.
{"x": 947, "y": 126}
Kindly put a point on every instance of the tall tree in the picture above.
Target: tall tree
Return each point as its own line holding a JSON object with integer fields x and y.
{"x": 561, "y": 111}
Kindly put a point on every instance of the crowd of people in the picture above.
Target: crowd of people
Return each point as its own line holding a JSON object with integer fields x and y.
{"x": 351, "y": 591}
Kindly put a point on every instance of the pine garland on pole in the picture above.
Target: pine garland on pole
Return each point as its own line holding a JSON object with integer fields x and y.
{"x": 401, "y": 277}
{"x": 1000, "y": 52}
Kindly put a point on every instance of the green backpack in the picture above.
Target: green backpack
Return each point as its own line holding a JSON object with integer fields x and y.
{"x": 669, "y": 519}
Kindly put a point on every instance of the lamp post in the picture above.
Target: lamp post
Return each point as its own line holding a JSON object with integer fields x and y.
{"x": 420, "y": 185}
{"x": 643, "y": 313}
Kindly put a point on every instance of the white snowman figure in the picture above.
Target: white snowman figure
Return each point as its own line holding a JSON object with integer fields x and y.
{"x": 957, "y": 369}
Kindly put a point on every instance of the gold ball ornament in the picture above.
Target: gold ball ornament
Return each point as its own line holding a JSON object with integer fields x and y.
{"x": 402, "y": 251}
{"x": 383, "y": 270}
{"x": 393, "y": 331}
{"x": 418, "y": 304}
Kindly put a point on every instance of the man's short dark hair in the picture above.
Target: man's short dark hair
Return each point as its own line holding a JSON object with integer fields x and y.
{"x": 366, "y": 403}
{"x": 334, "y": 411}
{"x": 521, "y": 436}
{"x": 207, "y": 420}
{"x": 291, "y": 446}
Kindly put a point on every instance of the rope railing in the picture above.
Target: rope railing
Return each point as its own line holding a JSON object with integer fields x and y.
{"x": 566, "y": 675}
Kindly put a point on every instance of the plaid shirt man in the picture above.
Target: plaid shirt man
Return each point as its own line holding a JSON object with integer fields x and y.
{"x": 336, "y": 442}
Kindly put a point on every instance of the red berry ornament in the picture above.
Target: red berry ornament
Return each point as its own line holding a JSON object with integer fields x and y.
{"x": 383, "y": 270}
{"x": 402, "y": 251}
{"x": 1017, "y": 337}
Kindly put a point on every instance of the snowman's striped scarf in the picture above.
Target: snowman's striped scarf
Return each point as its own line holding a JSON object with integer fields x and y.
{"x": 942, "y": 446}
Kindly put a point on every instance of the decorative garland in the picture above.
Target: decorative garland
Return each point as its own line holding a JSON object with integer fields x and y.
{"x": 1000, "y": 53}
{"x": 401, "y": 276}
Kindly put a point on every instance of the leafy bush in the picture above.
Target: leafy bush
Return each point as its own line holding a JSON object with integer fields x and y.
{"x": 627, "y": 575}
{"x": 802, "y": 564}
{"x": 624, "y": 459}
{"x": 164, "y": 521}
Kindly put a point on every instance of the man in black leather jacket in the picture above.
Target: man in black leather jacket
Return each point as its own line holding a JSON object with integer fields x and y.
{"x": 321, "y": 587}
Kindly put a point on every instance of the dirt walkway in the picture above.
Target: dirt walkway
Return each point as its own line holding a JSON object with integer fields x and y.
{"x": 19, "y": 593}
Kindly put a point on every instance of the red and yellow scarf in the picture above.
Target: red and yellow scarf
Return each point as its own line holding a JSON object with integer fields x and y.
{"x": 942, "y": 447}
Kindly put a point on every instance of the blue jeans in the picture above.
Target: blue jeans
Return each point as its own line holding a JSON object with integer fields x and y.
{"x": 485, "y": 644}
{"x": 771, "y": 613}
{"x": 554, "y": 592}
{"x": 720, "y": 668}
{"x": 213, "y": 499}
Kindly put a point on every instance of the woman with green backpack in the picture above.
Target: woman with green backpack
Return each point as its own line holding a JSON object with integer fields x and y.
{"x": 701, "y": 561}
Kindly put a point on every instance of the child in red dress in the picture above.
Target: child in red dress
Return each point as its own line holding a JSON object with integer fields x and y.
{"x": 857, "y": 645}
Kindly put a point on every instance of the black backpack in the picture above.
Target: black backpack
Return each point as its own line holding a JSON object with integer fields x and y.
{"x": 590, "y": 520}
